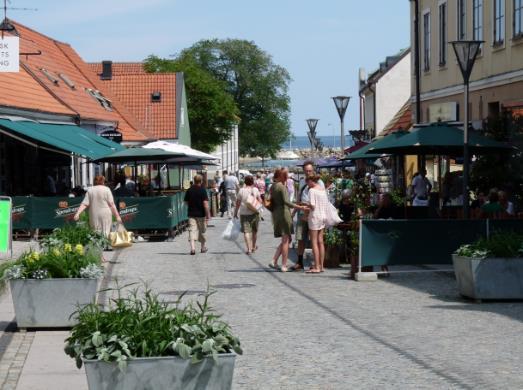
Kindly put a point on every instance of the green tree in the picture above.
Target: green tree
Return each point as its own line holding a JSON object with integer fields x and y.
{"x": 259, "y": 88}
{"x": 212, "y": 110}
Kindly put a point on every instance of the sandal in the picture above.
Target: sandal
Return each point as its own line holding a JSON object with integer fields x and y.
{"x": 273, "y": 266}
{"x": 283, "y": 268}
{"x": 193, "y": 252}
{"x": 312, "y": 271}
{"x": 204, "y": 250}
{"x": 296, "y": 267}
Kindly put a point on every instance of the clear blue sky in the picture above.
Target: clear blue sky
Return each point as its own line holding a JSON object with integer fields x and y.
{"x": 321, "y": 43}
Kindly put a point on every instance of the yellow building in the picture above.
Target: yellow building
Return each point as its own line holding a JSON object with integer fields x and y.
{"x": 496, "y": 83}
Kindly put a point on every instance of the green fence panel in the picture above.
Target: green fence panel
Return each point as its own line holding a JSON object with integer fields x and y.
{"x": 21, "y": 211}
{"x": 53, "y": 212}
{"x": 182, "y": 207}
{"x": 146, "y": 213}
{"x": 175, "y": 211}
{"x": 414, "y": 242}
{"x": 505, "y": 225}
{"x": 5, "y": 225}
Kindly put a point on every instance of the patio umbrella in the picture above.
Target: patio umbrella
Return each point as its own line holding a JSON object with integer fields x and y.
{"x": 180, "y": 149}
{"x": 441, "y": 139}
{"x": 139, "y": 155}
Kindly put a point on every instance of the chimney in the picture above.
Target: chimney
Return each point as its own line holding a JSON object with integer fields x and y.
{"x": 107, "y": 70}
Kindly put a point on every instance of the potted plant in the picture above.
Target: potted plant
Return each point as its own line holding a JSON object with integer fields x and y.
{"x": 334, "y": 248}
{"x": 141, "y": 342}
{"x": 491, "y": 268}
{"x": 47, "y": 285}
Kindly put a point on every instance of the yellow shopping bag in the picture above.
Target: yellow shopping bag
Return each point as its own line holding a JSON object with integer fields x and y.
{"x": 120, "y": 237}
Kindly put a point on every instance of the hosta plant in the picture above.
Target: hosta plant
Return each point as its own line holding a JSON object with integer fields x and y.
{"x": 142, "y": 325}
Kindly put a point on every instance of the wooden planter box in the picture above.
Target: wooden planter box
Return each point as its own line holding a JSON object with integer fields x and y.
{"x": 490, "y": 278}
{"x": 49, "y": 303}
{"x": 170, "y": 372}
{"x": 333, "y": 256}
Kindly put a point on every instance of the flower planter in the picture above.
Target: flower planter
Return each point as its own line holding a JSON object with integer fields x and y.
{"x": 48, "y": 303}
{"x": 333, "y": 254}
{"x": 489, "y": 278}
{"x": 162, "y": 373}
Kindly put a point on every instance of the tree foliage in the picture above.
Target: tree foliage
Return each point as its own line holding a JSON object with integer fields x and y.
{"x": 501, "y": 170}
{"x": 259, "y": 88}
{"x": 212, "y": 110}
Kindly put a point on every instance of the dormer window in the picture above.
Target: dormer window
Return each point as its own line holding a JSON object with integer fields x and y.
{"x": 156, "y": 97}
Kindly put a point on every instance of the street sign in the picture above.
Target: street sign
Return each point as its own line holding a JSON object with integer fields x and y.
{"x": 9, "y": 52}
{"x": 5, "y": 225}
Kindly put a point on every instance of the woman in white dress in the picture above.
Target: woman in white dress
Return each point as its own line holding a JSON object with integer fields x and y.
{"x": 319, "y": 208}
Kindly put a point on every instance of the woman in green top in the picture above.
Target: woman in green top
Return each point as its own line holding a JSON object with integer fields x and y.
{"x": 493, "y": 209}
{"x": 281, "y": 217}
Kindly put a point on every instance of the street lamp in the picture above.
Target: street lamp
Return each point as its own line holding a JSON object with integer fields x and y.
{"x": 466, "y": 53}
{"x": 341, "y": 103}
{"x": 312, "y": 123}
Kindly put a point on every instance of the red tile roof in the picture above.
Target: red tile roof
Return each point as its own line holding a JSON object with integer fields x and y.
{"x": 133, "y": 86}
{"x": 32, "y": 89}
{"x": 401, "y": 121}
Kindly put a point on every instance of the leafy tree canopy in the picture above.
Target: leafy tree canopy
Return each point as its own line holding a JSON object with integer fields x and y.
{"x": 212, "y": 110}
{"x": 259, "y": 88}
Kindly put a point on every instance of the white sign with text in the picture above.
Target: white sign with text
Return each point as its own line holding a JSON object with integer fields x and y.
{"x": 9, "y": 52}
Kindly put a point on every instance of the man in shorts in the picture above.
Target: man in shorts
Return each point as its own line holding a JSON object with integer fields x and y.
{"x": 302, "y": 226}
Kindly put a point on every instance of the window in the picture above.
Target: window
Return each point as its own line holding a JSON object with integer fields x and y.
{"x": 499, "y": 22}
{"x": 462, "y": 20}
{"x": 67, "y": 80}
{"x": 442, "y": 34}
{"x": 156, "y": 96}
{"x": 477, "y": 20}
{"x": 426, "y": 41}
{"x": 97, "y": 95}
{"x": 517, "y": 22}
{"x": 49, "y": 76}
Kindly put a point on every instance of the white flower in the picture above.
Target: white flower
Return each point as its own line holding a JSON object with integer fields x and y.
{"x": 15, "y": 272}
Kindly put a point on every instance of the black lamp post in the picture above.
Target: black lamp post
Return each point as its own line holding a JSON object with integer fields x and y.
{"x": 466, "y": 53}
{"x": 341, "y": 103}
{"x": 312, "y": 123}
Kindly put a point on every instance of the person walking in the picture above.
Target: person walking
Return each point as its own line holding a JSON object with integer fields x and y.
{"x": 281, "y": 217}
{"x": 198, "y": 211}
{"x": 249, "y": 218}
{"x": 260, "y": 184}
{"x": 302, "y": 225}
{"x": 100, "y": 202}
{"x": 319, "y": 207}
{"x": 232, "y": 186}
{"x": 421, "y": 187}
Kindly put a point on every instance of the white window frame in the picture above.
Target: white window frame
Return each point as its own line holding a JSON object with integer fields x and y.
{"x": 442, "y": 32}
{"x": 426, "y": 41}
{"x": 477, "y": 20}
{"x": 461, "y": 28}
{"x": 517, "y": 19}
{"x": 498, "y": 22}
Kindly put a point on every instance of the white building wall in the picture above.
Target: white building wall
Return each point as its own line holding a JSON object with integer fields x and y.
{"x": 228, "y": 153}
{"x": 392, "y": 91}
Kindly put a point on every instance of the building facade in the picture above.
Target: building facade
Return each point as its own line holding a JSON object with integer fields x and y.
{"x": 385, "y": 92}
{"x": 496, "y": 83}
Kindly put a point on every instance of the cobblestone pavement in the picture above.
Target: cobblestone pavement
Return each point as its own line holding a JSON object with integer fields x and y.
{"x": 298, "y": 331}
{"x": 324, "y": 331}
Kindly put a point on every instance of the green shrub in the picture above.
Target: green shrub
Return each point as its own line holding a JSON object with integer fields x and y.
{"x": 80, "y": 233}
{"x": 333, "y": 237}
{"x": 144, "y": 326}
{"x": 501, "y": 244}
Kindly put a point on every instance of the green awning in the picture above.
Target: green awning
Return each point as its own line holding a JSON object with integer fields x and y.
{"x": 140, "y": 155}
{"x": 67, "y": 138}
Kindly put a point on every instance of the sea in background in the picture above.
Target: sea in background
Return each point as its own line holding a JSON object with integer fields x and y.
{"x": 302, "y": 142}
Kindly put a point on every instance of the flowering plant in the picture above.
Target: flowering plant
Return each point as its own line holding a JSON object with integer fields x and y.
{"x": 66, "y": 261}
{"x": 360, "y": 195}
{"x": 333, "y": 237}
{"x": 79, "y": 233}
{"x": 503, "y": 244}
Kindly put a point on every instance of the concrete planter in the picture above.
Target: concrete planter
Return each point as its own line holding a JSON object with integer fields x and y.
{"x": 169, "y": 372}
{"x": 490, "y": 278}
{"x": 48, "y": 303}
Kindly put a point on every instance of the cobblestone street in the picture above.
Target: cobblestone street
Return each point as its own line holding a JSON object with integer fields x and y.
{"x": 300, "y": 331}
